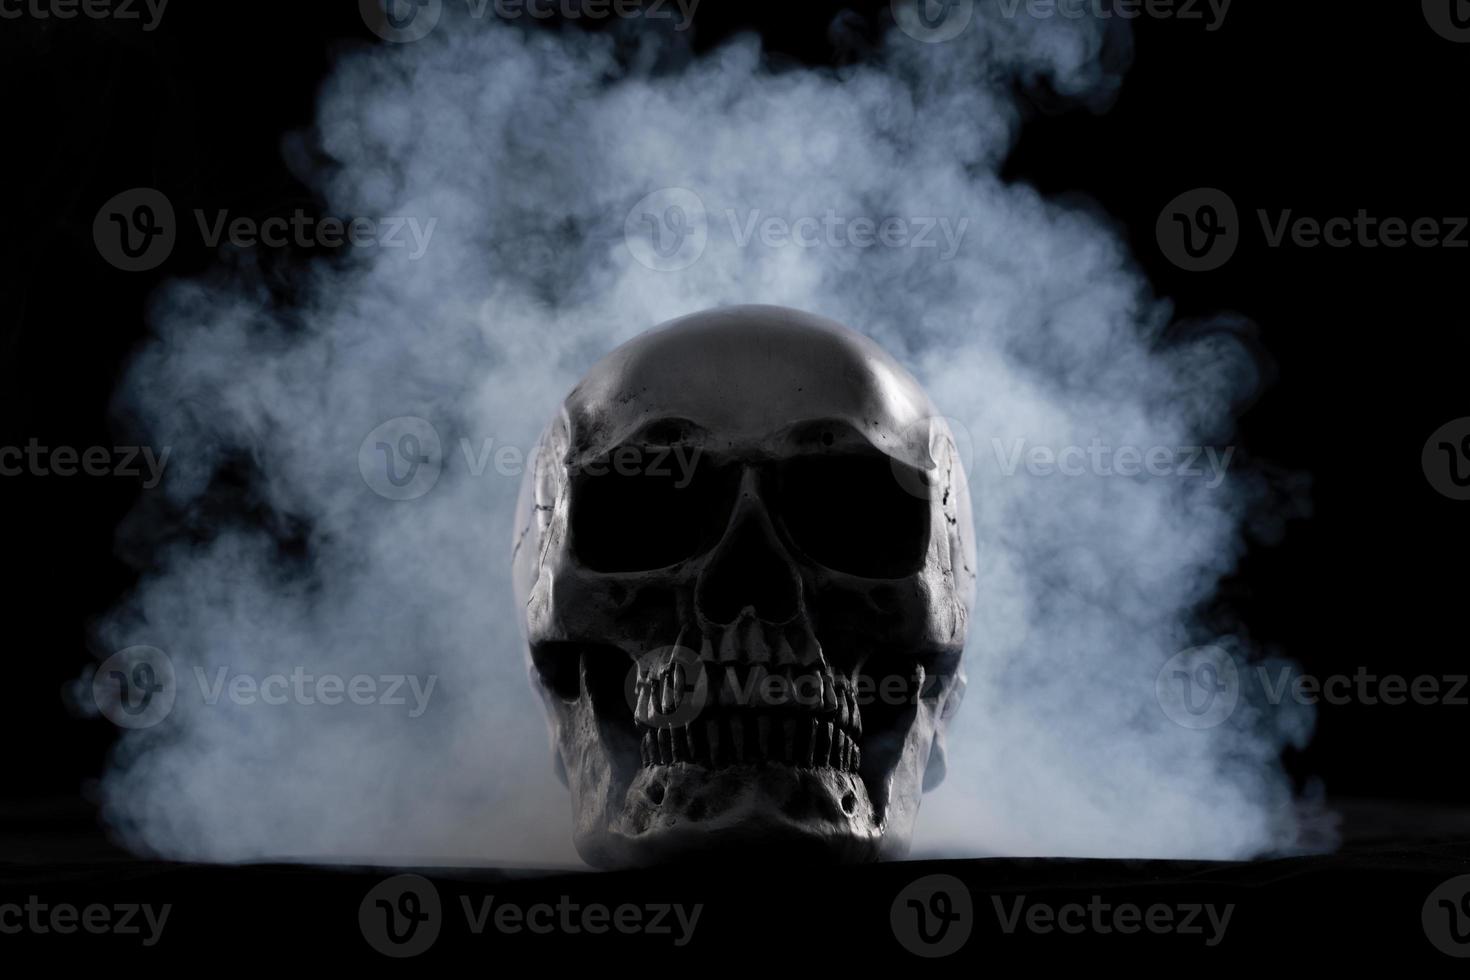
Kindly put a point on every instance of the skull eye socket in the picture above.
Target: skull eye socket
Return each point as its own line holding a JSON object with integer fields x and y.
{"x": 852, "y": 513}
{"x": 639, "y": 508}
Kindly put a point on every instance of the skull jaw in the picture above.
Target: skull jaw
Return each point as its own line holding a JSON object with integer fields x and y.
{"x": 760, "y": 813}
{"x": 630, "y": 817}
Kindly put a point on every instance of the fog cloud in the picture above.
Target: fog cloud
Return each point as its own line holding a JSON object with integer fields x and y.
{"x": 584, "y": 188}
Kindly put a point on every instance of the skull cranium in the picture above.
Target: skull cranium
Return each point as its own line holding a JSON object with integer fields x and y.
{"x": 744, "y": 560}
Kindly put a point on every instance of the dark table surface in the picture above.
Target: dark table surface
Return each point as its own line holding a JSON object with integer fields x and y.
{"x": 1380, "y": 896}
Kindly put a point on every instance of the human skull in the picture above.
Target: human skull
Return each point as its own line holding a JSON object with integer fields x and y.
{"x": 744, "y": 561}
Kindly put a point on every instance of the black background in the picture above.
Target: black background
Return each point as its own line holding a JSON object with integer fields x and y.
{"x": 1322, "y": 109}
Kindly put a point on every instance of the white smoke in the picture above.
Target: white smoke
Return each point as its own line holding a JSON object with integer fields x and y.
{"x": 528, "y": 149}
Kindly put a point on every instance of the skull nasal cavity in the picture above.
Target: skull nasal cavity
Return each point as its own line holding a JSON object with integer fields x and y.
{"x": 749, "y": 567}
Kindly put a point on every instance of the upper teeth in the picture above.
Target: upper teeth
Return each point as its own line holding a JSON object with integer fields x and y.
{"x": 660, "y": 694}
{"x": 747, "y": 697}
{"x": 748, "y": 738}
